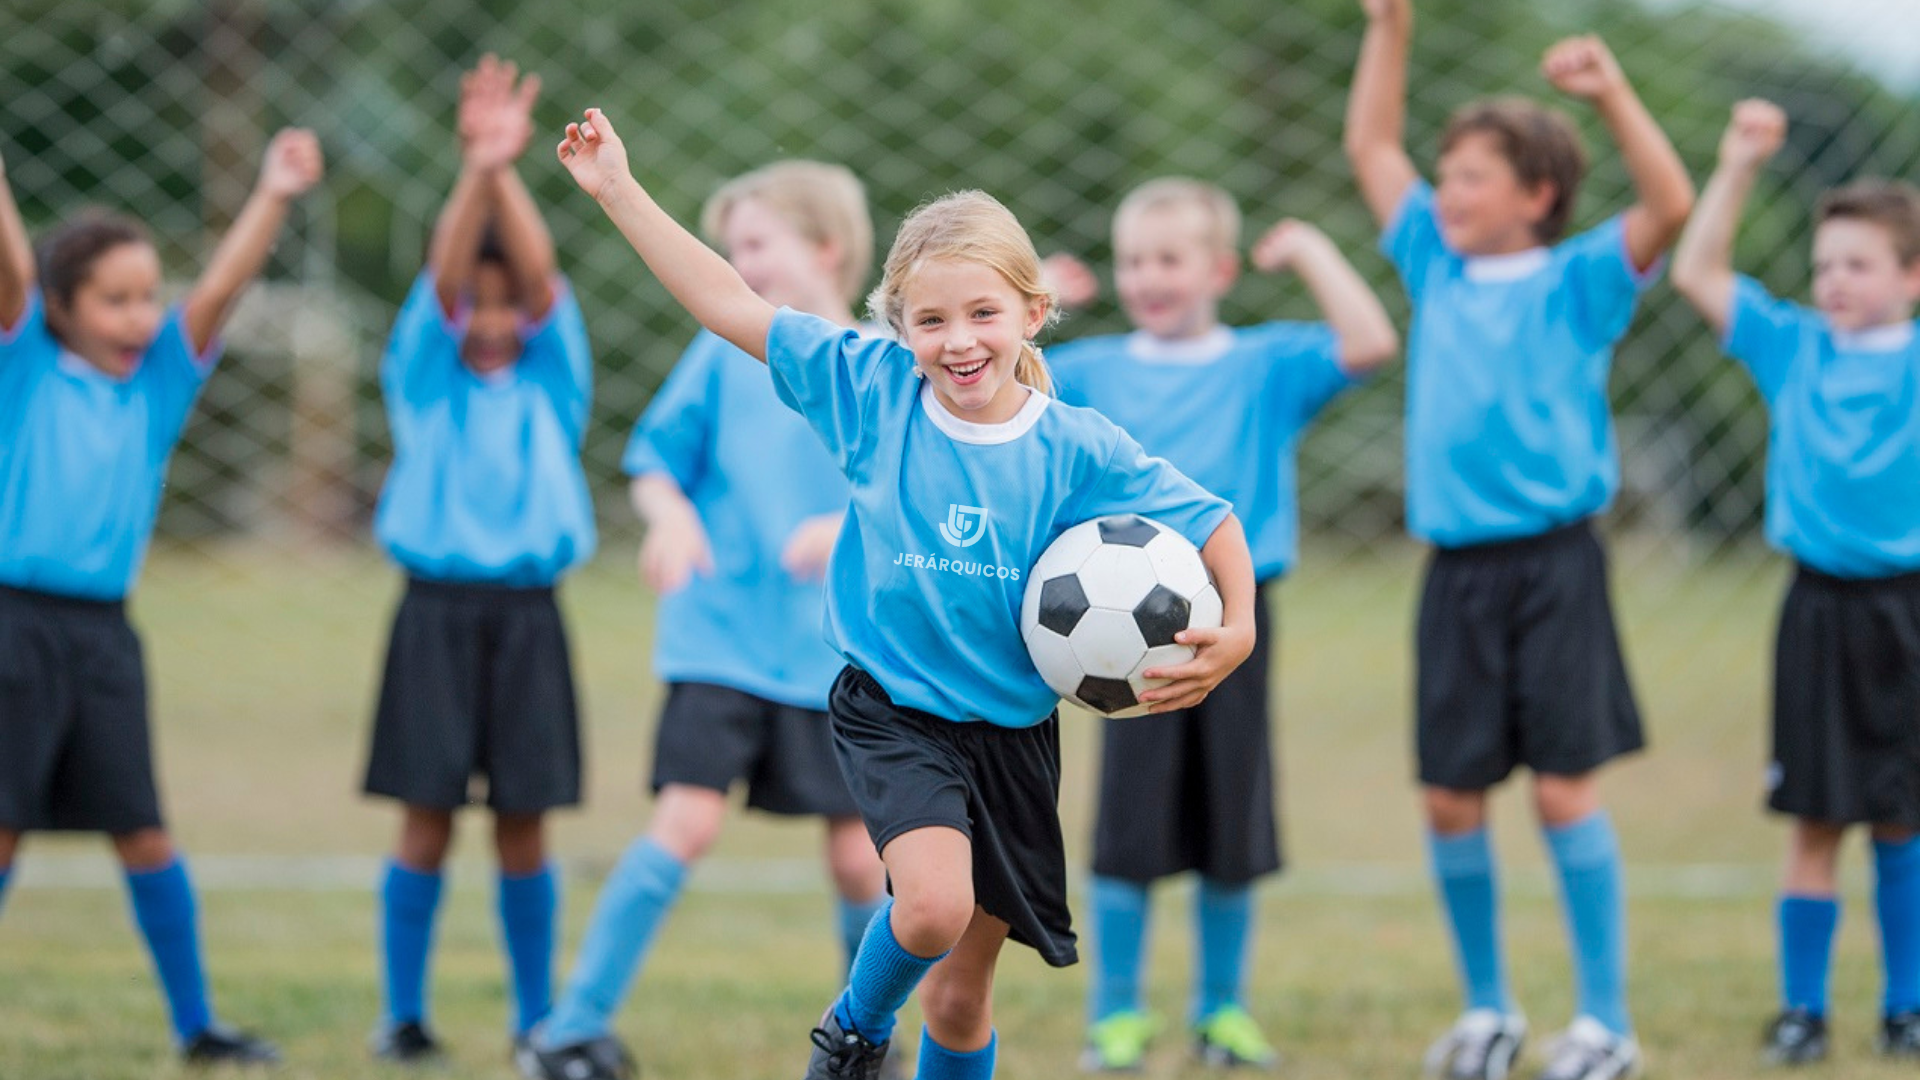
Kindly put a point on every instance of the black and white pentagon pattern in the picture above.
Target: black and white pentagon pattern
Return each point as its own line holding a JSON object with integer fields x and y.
{"x": 1103, "y": 603}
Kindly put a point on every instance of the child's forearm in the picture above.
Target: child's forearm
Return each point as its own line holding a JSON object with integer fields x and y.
{"x": 524, "y": 235}
{"x": 1660, "y": 180}
{"x": 455, "y": 246}
{"x": 703, "y": 282}
{"x": 1226, "y": 557}
{"x": 16, "y": 257}
{"x": 1367, "y": 337}
{"x": 1703, "y": 259}
{"x": 1376, "y": 113}
{"x": 241, "y": 254}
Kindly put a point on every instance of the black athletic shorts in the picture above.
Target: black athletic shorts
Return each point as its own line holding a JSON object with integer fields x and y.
{"x": 710, "y": 736}
{"x": 1000, "y": 786}
{"x": 1846, "y": 701}
{"x": 75, "y": 753}
{"x": 478, "y": 689}
{"x": 1519, "y": 662}
{"x": 1193, "y": 789}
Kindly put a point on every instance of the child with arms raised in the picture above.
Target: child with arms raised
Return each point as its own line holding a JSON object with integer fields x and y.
{"x": 97, "y": 380}
{"x": 742, "y": 506}
{"x": 1841, "y": 381}
{"x": 1510, "y": 454}
{"x": 487, "y": 381}
{"x": 1194, "y": 790}
{"x": 944, "y": 730}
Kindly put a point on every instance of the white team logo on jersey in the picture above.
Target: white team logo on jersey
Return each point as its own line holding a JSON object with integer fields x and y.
{"x": 965, "y": 525}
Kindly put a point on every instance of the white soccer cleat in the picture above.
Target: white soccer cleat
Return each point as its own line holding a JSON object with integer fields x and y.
{"x": 1482, "y": 1045}
{"x": 1588, "y": 1051}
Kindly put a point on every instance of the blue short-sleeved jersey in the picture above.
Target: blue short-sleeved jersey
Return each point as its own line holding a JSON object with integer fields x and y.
{"x": 947, "y": 517}
{"x": 755, "y": 473}
{"x": 1843, "y": 455}
{"x": 486, "y": 484}
{"x": 1509, "y": 432}
{"x": 83, "y": 456}
{"x": 1227, "y": 409}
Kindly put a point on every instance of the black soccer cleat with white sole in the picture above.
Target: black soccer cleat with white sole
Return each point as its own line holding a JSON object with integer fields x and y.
{"x": 406, "y": 1043}
{"x": 841, "y": 1053}
{"x": 1588, "y": 1051}
{"x": 600, "y": 1058}
{"x": 1796, "y": 1037}
{"x": 1900, "y": 1035}
{"x": 218, "y": 1044}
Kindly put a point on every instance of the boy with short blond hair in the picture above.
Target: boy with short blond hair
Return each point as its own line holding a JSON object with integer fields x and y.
{"x": 1843, "y": 499}
{"x": 1193, "y": 789}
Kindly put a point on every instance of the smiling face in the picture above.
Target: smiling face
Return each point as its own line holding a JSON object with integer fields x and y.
{"x": 114, "y": 312}
{"x": 492, "y": 341}
{"x": 777, "y": 260}
{"x": 1484, "y": 208}
{"x": 967, "y": 325}
{"x": 1169, "y": 274}
{"x": 1858, "y": 281}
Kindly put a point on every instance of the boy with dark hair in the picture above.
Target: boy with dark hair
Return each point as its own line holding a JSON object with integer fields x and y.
{"x": 1843, "y": 499}
{"x": 1510, "y": 454}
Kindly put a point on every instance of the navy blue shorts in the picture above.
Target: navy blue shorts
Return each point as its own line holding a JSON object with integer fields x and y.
{"x": 999, "y": 786}
{"x": 477, "y": 704}
{"x": 1519, "y": 662}
{"x": 75, "y": 753}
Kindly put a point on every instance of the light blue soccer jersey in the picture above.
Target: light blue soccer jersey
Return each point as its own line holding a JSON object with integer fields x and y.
{"x": 1509, "y": 432}
{"x": 1227, "y": 409}
{"x": 947, "y": 516}
{"x": 754, "y": 472}
{"x": 83, "y": 456}
{"x": 486, "y": 486}
{"x": 1843, "y": 452}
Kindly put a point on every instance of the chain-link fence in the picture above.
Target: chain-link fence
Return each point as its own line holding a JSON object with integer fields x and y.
{"x": 161, "y": 109}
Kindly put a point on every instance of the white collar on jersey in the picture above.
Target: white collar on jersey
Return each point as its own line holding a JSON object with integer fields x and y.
{"x": 1209, "y": 346}
{"x": 1892, "y": 337}
{"x": 967, "y": 431}
{"x": 1514, "y": 265}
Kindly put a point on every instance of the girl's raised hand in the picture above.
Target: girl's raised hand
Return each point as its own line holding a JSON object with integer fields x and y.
{"x": 292, "y": 164}
{"x": 1070, "y": 279}
{"x": 594, "y": 154}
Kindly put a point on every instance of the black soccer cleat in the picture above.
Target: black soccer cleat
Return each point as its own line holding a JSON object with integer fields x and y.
{"x": 218, "y": 1044}
{"x": 602, "y": 1058}
{"x": 843, "y": 1054}
{"x": 1900, "y": 1035}
{"x": 405, "y": 1043}
{"x": 1796, "y": 1037}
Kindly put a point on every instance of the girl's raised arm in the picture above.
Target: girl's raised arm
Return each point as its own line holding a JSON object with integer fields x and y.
{"x": 16, "y": 258}
{"x": 292, "y": 166}
{"x": 703, "y": 282}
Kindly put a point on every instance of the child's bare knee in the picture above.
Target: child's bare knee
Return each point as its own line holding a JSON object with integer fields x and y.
{"x": 928, "y": 923}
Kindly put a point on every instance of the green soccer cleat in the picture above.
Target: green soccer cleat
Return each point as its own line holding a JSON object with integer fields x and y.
{"x": 1119, "y": 1043}
{"x": 1229, "y": 1039}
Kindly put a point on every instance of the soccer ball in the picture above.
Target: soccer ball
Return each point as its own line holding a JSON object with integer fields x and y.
{"x": 1103, "y": 603}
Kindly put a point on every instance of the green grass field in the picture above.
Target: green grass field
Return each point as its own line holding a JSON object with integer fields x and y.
{"x": 263, "y": 668}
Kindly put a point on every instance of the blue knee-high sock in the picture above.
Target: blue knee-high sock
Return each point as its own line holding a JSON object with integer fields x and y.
{"x": 1464, "y": 870}
{"x": 1120, "y": 910}
{"x": 853, "y": 917}
{"x": 884, "y": 975}
{"x": 527, "y": 905}
{"x": 632, "y": 905}
{"x": 1896, "y": 893}
{"x": 939, "y": 1063}
{"x": 409, "y": 901}
{"x": 164, "y": 909}
{"x": 5, "y": 872}
{"x": 1588, "y": 856}
{"x": 1806, "y": 950}
{"x": 1223, "y": 919}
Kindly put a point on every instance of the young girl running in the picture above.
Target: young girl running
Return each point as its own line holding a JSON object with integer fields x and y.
{"x": 946, "y": 734}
